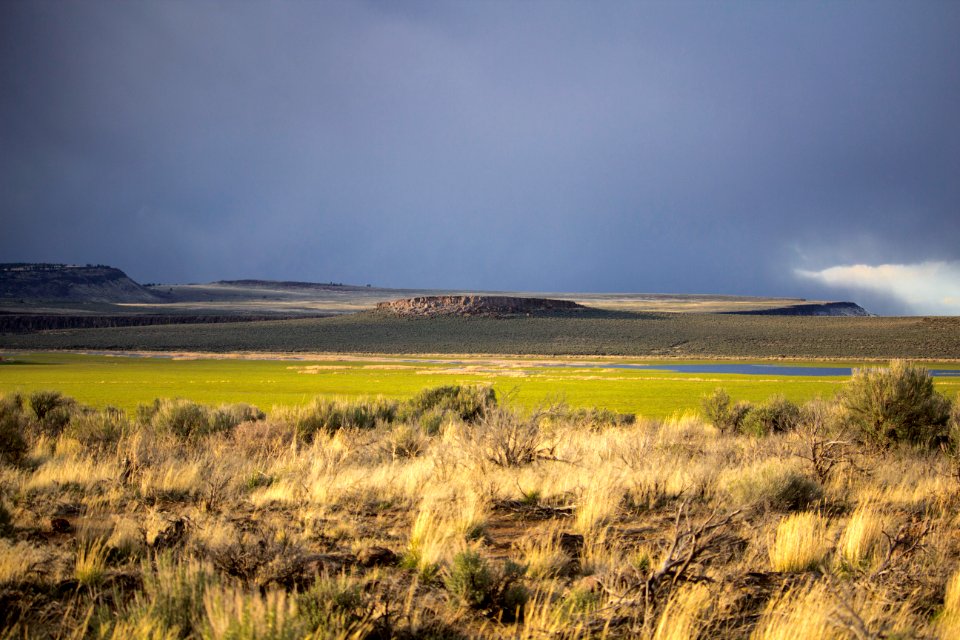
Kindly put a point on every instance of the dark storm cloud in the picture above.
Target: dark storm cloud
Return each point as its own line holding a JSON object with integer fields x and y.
{"x": 687, "y": 147}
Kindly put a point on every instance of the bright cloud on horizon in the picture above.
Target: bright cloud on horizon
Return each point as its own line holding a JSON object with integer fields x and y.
{"x": 926, "y": 287}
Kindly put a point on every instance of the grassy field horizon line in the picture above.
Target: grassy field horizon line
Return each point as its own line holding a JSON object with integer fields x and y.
{"x": 583, "y": 358}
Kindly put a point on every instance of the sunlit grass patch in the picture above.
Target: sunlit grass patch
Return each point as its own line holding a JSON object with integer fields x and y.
{"x": 236, "y": 614}
{"x": 862, "y": 538}
{"x": 685, "y": 614}
{"x": 19, "y": 561}
{"x": 542, "y": 555}
{"x": 80, "y": 471}
{"x": 829, "y": 611}
{"x": 773, "y": 483}
{"x": 172, "y": 480}
{"x": 801, "y": 542}
{"x": 90, "y": 563}
{"x": 948, "y": 621}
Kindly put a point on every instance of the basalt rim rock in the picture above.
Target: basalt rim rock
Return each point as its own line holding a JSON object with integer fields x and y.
{"x": 478, "y": 306}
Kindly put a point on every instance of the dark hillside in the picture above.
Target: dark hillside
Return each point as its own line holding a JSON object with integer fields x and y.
{"x": 70, "y": 283}
{"x": 842, "y": 309}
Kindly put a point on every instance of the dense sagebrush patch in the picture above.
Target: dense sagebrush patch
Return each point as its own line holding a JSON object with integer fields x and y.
{"x": 777, "y": 415}
{"x": 43, "y": 402}
{"x": 187, "y": 419}
{"x": 97, "y": 429}
{"x": 773, "y": 484}
{"x": 325, "y": 415}
{"x": 725, "y": 415}
{"x": 508, "y": 438}
{"x": 473, "y": 583}
{"x": 12, "y": 424}
{"x": 428, "y": 410}
{"x": 593, "y": 418}
{"x": 467, "y": 402}
{"x": 896, "y": 404}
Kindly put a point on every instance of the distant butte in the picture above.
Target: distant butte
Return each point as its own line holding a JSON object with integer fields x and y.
{"x": 428, "y": 306}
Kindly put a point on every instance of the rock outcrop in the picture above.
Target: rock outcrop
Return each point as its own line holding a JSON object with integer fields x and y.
{"x": 428, "y": 306}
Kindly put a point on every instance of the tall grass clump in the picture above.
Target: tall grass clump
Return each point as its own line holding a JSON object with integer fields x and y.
{"x": 827, "y": 612}
{"x": 686, "y": 614}
{"x": 18, "y": 561}
{"x": 90, "y": 563}
{"x": 236, "y": 614}
{"x": 542, "y": 555}
{"x": 948, "y": 621}
{"x": 173, "y": 592}
{"x": 862, "y": 539}
{"x": 896, "y": 404}
{"x": 800, "y": 544}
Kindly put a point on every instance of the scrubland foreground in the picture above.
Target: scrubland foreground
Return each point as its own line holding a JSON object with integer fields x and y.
{"x": 454, "y": 515}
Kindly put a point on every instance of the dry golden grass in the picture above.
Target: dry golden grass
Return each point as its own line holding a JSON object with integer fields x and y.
{"x": 172, "y": 480}
{"x": 229, "y": 537}
{"x": 90, "y": 563}
{"x": 236, "y": 614}
{"x": 75, "y": 470}
{"x": 862, "y": 539}
{"x": 19, "y": 561}
{"x": 825, "y": 611}
{"x": 599, "y": 503}
{"x": 685, "y": 615}
{"x": 801, "y": 542}
{"x": 948, "y": 623}
{"x": 542, "y": 555}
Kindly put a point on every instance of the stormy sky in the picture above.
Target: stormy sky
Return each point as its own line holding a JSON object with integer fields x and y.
{"x": 762, "y": 148}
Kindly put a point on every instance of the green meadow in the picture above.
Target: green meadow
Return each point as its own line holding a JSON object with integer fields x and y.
{"x": 125, "y": 381}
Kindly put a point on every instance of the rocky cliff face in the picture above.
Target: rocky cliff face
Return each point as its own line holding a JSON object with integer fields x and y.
{"x": 73, "y": 283}
{"x": 477, "y": 306}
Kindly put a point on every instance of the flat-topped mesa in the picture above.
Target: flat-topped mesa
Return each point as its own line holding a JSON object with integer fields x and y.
{"x": 478, "y": 306}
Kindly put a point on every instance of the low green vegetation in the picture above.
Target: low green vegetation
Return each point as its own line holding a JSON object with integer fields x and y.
{"x": 127, "y": 382}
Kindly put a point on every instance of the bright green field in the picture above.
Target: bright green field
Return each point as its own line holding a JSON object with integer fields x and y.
{"x": 126, "y": 382}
